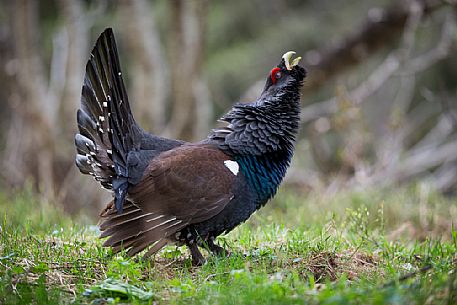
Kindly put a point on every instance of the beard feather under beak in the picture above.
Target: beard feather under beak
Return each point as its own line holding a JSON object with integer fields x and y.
{"x": 287, "y": 57}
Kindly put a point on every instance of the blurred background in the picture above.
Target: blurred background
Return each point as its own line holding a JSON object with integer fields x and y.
{"x": 379, "y": 104}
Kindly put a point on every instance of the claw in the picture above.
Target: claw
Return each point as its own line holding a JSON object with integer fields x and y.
{"x": 287, "y": 57}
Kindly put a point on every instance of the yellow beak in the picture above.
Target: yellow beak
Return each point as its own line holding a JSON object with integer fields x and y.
{"x": 287, "y": 57}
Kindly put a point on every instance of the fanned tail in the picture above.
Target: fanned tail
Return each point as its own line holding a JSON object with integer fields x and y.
{"x": 107, "y": 129}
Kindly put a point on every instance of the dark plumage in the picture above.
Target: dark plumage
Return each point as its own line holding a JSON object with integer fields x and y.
{"x": 172, "y": 191}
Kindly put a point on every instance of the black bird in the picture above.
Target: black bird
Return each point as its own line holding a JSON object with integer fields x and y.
{"x": 168, "y": 190}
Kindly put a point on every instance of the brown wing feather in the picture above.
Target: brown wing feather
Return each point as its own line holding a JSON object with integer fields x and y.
{"x": 186, "y": 185}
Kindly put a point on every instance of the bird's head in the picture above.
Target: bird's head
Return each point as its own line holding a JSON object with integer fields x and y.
{"x": 286, "y": 78}
{"x": 269, "y": 124}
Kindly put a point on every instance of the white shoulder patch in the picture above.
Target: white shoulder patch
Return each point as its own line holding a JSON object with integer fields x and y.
{"x": 232, "y": 166}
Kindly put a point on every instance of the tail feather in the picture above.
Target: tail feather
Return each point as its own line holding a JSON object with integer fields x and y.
{"x": 92, "y": 153}
{"x": 124, "y": 218}
{"x": 108, "y": 131}
{"x": 110, "y": 212}
{"x": 136, "y": 230}
{"x": 84, "y": 145}
{"x": 83, "y": 164}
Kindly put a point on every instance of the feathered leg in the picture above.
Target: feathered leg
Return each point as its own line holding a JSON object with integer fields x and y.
{"x": 197, "y": 257}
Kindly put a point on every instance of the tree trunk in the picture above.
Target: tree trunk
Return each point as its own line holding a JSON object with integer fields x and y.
{"x": 188, "y": 26}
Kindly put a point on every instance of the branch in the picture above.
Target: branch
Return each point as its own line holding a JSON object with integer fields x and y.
{"x": 438, "y": 53}
{"x": 445, "y": 176}
{"x": 436, "y": 136}
{"x": 150, "y": 72}
{"x": 381, "y": 74}
{"x": 425, "y": 159}
{"x": 384, "y": 71}
{"x": 448, "y": 111}
{"x": 380, "y": 28}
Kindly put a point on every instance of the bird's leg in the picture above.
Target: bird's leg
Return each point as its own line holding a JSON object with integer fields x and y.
{"x": 197, "y": 257}
{"x": 217, "y": 250}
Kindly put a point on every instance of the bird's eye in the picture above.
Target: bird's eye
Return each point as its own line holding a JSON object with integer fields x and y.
{"x": 275, "y": 74}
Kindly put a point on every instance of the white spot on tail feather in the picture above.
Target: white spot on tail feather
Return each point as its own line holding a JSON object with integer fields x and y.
{"x": 223, "y": 130}
{"x": 232, "y": 166}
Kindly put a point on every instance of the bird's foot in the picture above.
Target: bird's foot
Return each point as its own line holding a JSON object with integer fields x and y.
{"x": 198, "y": 261}
{"x": 197, "y": 257}
{"x": 218, "y": 250}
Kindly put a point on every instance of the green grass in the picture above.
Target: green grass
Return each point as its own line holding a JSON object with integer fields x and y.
{"x": 371, "y": 247}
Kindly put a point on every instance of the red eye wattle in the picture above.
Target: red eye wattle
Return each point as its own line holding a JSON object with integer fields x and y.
{"x": 275, "y": 74}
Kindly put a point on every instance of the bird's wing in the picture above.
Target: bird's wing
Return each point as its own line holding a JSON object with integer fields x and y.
{"x": 192, "y": 183}
{"x": 186, "y": 185}
{"x": 110, "y": 144}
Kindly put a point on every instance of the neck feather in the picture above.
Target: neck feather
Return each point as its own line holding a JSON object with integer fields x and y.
{"x": 258, "y": 128}
{"x": 264, "y": 173}
{"x": 260, "y": 136}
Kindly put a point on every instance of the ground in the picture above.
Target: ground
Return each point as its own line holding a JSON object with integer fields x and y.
{"x": 395, "y": 246}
